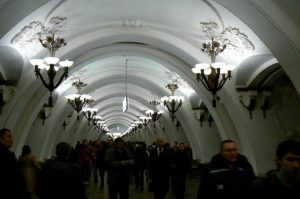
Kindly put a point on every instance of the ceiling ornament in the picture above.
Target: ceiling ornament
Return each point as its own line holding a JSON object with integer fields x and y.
{"x": 174, "y": 77}
{"x": 132, "y": 23}
{"x": 232, "y": 37}
{"x": 36, "y": 29}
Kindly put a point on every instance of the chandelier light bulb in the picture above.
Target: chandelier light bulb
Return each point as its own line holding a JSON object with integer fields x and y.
{"x": 51, "y": 60}
{"x": 36, "y": 62}
{"x": 216, "y": 65}
{"x": 66, "y": 63}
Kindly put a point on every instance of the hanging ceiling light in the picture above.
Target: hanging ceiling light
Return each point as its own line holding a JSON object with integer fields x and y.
{"x": 96, "y": 119}
{"x": 78, "y": 101}
{"x": 145, "y": 120}
{"x": 50, "y": 64}
{"x": 172, "y": 102}
{"x": 214, "y": 75}
{"x": 155, "y": 115}
{"x": 101, "y": 125}
{"x": 89, "y": 113}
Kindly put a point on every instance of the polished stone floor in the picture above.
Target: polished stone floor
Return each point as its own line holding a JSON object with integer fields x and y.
{"x": 93, "y": 191}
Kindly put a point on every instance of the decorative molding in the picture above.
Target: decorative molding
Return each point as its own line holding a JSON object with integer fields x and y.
{"x": 36, "y": 29}
{"x": 132, "y": 23}
{"x": 175, "y": 78}
{"x": 231, "y": 36}
{"x": 276, "y": 25}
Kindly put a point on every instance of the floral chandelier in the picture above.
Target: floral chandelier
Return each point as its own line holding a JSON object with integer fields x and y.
{"x": 214, "y": 75}
{"x": 50, "y": 64}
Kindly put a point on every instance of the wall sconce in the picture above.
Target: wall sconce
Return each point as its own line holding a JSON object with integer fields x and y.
{"x": 45, "y": 112}
{"x": 67, "y": 121}
{"x": 202, "y": 114}
{"x": 251, "y": 99}
{"x": 266, "y": 102}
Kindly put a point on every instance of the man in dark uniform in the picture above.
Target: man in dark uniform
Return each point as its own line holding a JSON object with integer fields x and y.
{"x": 228, "y": 175}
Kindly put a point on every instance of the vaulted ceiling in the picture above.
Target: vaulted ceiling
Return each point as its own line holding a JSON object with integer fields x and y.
{"x": 136, "y": 48}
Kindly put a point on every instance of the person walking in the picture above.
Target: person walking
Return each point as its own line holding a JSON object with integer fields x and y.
{"x": 228, "y": 175}
{"x": 100, "y": 161}
{"x": 30, "y": 168}
{"x": 140, "y": 165}
{"x": 119, "y": 163}
{"x": 284, "y": 181}
{"x": 11, "y": 181}
{"x": 159, "y": 169}
{"x": 181, "y": 164}
{"x": 60, "y": 178}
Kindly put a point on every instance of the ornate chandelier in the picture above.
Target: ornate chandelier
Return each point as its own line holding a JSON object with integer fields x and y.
{"x": 101, "y": 125}
{"x": 89, "y": 113}
{"x": 96, "y": 119}
{"x": 214, "y": 75}
{"x": 155, "y": 115}
{"x": 172, "y": 102}
{"x": 50, "y": 64}
{"x": 78, "y": 101}
{"x": 145, "y": 120}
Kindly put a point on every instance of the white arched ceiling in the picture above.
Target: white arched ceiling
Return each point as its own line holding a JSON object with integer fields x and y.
{"x": 100, "y": 47}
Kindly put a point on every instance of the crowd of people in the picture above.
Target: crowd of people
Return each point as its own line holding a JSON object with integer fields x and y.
{"x": 161, "y": 165}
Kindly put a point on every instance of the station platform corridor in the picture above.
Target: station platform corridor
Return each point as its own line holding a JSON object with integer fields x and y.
{"x": 93, "y": 191}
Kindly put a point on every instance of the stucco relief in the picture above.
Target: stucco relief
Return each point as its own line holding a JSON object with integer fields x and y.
{"x": 36, "y": 29}
{"x": 234, "y": 39}
{"x": 132, "y": 23}
{"x": 175, "y": 78}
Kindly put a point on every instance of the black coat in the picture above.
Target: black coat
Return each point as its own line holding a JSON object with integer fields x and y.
{"x": 159, "y": 169}
{"x": 221, "y": 181}
{"x": 118, "y": 174}
{"x": 60, "y": 179}
{"x": 11, "y": 181}
{"x": 271, "y": 186}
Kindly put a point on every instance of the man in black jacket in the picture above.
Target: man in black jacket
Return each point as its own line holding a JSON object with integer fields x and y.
{"x": 119, "y": 162}
{"x": 60, "y": 178}
{"x": 159, "y": 168}
{"x": 228, "y": 175}
{"x": 11, "y": 181}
